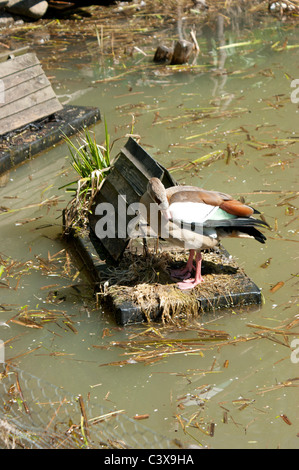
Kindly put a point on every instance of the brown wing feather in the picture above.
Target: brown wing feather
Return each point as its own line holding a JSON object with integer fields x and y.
{"x": 192, "y": 194}
{"x": 235, "y": 207}
{"x": 214, "y": 198}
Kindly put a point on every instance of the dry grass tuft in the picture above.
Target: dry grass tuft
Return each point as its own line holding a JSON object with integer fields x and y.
{"x": 145, "y": 281}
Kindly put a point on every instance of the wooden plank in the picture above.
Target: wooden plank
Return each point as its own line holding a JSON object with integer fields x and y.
{"x": 109, "y": 193}
{"x": 148, "y": 167}
{"x": 115, "y": 251}
{"x": 28, "y": 94}
{"x": 29, "y": 115}
{"x": 146, "y": 163}
{"x": 17, "y": 64}
{"x": 22, "y": 76}
{"x": 130, "y": 172}
{"x": 40, "y": 96}
{"x": 168, "y": 179}
{"x": 10, "y": 54}
{"x": 24, "y": 89}
{"x": 123, "y": 186}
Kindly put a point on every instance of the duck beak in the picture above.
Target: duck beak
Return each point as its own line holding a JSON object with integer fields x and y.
{"x": 164, "y": 208}
{"x": 166, "y": 214}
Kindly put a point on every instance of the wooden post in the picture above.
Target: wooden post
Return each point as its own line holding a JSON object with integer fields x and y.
{"x": 163, "y": 54}
{"x": 181, "y": 53}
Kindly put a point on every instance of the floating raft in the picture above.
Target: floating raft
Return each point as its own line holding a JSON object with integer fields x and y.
{"x": 31, "y": 117}
{"x": 42, "y": 135}
{"x": 135, "y": 286}
{"x": 226, "y": 286}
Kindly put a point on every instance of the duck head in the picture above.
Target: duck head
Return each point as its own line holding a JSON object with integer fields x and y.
{"x": 157, "y": 193}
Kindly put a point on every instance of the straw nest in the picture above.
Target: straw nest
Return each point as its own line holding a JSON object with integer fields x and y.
{"x": 144, "y": 281}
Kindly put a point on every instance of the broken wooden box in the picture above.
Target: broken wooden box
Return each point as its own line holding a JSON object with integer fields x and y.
{"x": 31, "y": 117}
{"x": 111, "y": 261}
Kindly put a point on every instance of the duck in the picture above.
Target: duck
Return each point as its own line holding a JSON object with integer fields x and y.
{"x": 196, "y": 219}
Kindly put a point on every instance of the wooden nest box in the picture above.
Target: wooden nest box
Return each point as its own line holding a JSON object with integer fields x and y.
{"x": 128, "y": 179}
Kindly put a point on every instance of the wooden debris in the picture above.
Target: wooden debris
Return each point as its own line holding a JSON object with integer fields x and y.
{"x": 277, "y": 286}
{"x": 285, "y": 419}
{"x": 163, "y": 54}
{"x": 159, "y": 347}
{"x": 84, "y": 427}
{"x": 21, "y": 394}
{"x": 139, "y": 417}
{"x": 181, "y": 53}
{"x": 266, "y": 263}
{"x": 178, "y": 55}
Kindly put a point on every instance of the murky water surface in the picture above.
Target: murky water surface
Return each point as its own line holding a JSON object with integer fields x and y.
{"x": 237, "y": 97}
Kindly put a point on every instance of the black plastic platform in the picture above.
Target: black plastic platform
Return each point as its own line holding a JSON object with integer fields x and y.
{"x": 241, "y": 291}
{"x": 19, "y": 146}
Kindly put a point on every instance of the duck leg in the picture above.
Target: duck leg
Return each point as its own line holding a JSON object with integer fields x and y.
{"x": 190, "y": 283}
{"x": 184, "y": 273}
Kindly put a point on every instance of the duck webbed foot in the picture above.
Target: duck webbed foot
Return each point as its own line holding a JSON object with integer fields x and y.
{"x": 184, "y": 273}
{"x": 191, "y": 283}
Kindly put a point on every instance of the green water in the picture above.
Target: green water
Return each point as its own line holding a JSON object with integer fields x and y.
{"x": 181, "y": 115}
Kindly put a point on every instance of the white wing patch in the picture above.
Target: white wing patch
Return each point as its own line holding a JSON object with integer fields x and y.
{"x": 192, "y": 212}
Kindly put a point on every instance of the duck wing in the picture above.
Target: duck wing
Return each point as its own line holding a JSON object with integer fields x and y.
{"x": 214, "y": 214}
